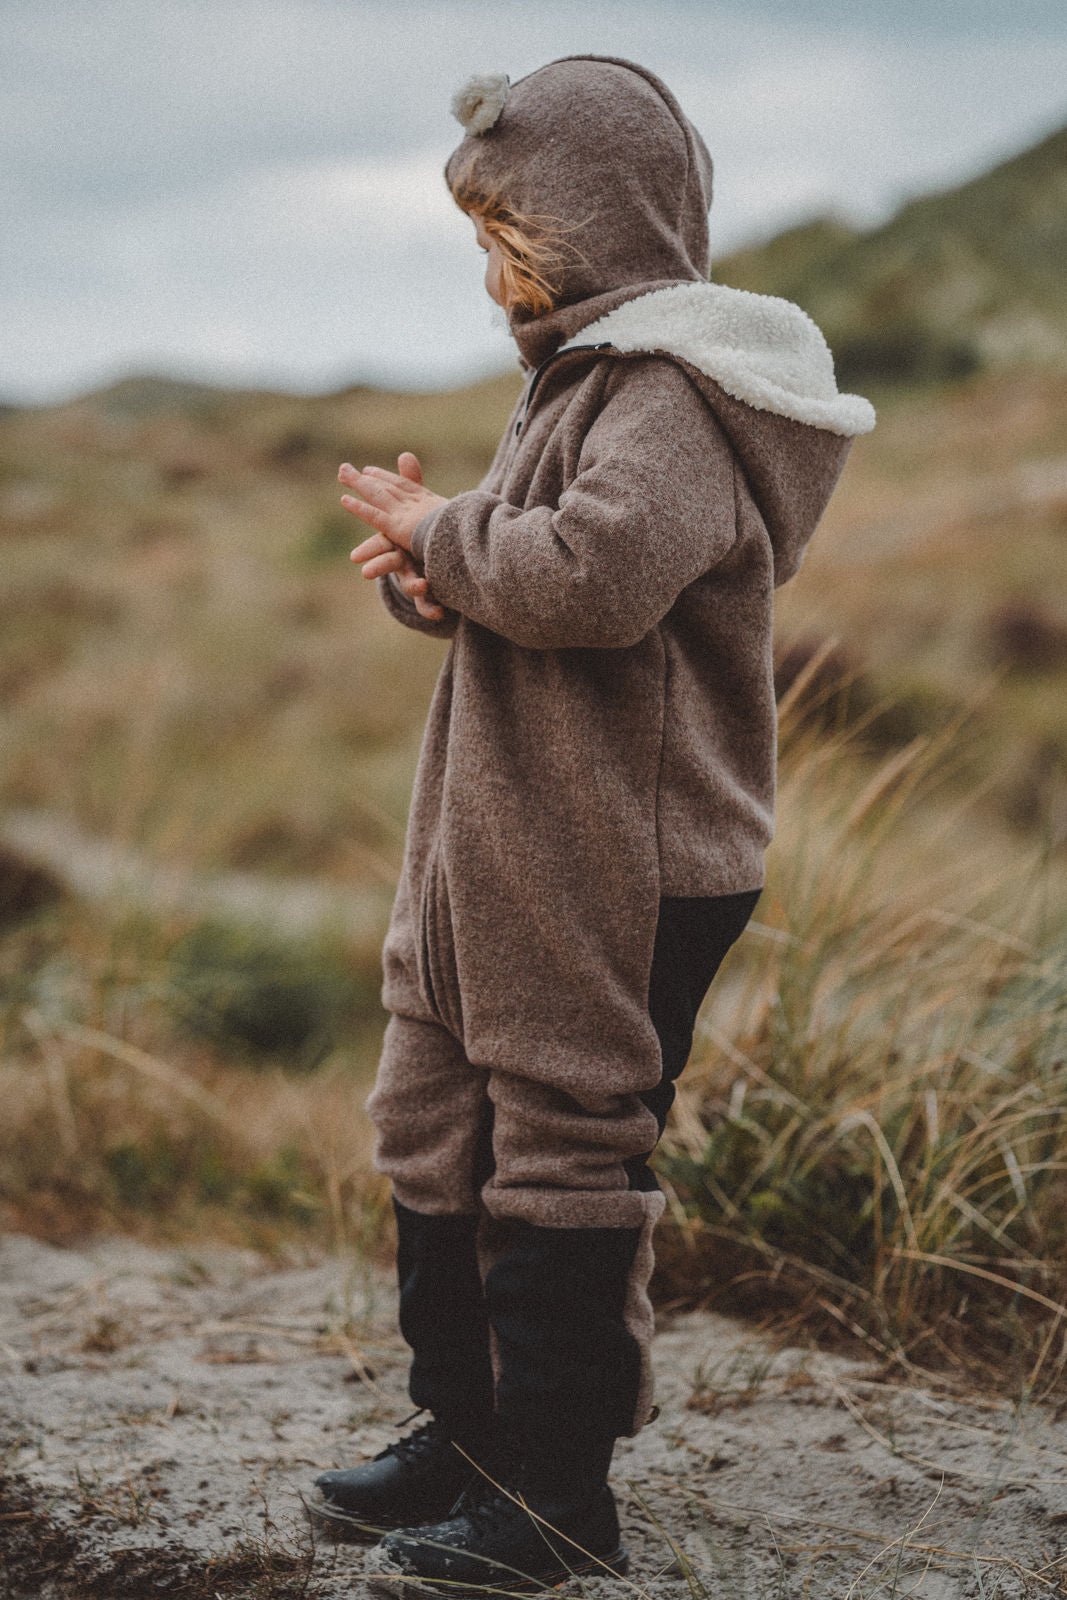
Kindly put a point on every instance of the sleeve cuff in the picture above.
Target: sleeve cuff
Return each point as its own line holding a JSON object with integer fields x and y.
{"x": 420, "y": 534}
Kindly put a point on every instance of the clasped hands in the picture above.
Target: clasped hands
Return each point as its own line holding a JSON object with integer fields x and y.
{"x": 393, "y": 503}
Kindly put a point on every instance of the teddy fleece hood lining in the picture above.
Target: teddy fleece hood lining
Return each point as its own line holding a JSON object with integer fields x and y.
{"x": 762, "y": 349}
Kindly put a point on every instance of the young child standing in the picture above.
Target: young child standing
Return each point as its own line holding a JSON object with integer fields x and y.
{"x": 594, "y": 796}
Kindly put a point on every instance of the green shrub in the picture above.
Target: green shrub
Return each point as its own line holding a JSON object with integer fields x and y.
{"x": 329, "y": 539}
{"x": 165, "y": 1172}
{"x": 256, "y": 995}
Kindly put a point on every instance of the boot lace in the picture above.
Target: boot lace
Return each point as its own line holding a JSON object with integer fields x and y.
{"x": 429, "y": 1435}
{"x": 488, "y": 1500}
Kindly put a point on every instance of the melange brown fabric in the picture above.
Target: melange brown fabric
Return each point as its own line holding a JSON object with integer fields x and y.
{"x": 602, "y": 145}
{"x": 603, "y": 729}
{"x": 558, "y": 1159}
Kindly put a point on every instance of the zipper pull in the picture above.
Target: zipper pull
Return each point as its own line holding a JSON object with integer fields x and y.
{"x": 604, "y": 345}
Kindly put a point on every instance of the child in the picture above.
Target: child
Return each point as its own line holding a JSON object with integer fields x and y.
{"x": 594, "y": 796}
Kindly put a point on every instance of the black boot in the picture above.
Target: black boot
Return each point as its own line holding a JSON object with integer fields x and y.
{"x": 419, "y": 1478}
{"x": 538, "y": 1525}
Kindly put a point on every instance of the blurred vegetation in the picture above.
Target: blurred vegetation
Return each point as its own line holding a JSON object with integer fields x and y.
{"x": 954, "y": 281}
{"x": 171, "y": 1079}
{"x": 260, "y": 996}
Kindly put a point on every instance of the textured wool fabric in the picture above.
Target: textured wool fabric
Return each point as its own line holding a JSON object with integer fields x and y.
{"x": 496, "y": 1155}
{"x": 559, "y": 1161}
{"x": 603, "y": 730}
{"x": 602, "y": 145}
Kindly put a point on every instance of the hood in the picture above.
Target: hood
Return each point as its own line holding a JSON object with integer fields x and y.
{"x": 760, "y": 348}
{"x": 601, "y": 144}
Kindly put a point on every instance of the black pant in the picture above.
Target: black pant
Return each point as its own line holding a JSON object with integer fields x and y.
{"x": 554, "y": 1296}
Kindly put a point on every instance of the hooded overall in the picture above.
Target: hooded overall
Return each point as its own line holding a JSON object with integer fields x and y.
{"x": 601, "y": 738}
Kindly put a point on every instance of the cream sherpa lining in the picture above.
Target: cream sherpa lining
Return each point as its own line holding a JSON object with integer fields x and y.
{"x": 761, "y": 348}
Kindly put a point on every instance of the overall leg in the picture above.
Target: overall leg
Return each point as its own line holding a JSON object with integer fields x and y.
{"x": 432, "y": 1124}
{"x": 567, "y": 1293}
{"x": 429, "y": 1108}
{"x": 569, "y": 1254}
{"x": 556, "y": 1288}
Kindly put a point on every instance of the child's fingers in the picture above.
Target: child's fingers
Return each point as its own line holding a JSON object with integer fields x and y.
{"x": 375, "y": 515}
{"x": 414, "y": 583}
{"x": 377, "y": 545}
{"x": 378, "y": 566}
{"x": 370, "y": 489}
{"x": 427, "y": 606}
{"x": 382, "y": 482}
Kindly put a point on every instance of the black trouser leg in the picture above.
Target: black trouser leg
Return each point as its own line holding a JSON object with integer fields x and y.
{"x": 693, "y": 936}
{"x": 569, "y": 1367}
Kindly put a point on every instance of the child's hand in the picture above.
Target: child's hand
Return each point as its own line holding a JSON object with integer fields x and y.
{"x": 390, "y": 502}
{"x": 382, "y": 554}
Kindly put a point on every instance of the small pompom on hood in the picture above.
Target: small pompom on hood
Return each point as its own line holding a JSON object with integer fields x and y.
{"x": 477, "y": 104}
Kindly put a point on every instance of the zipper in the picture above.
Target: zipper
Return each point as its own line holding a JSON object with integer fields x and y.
{"x": 535, "y": 380}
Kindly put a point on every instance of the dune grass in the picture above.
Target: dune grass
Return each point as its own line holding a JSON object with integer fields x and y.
{"x": 869, "y": 1135}
{"x": 880, "y": 1140}
{"x": 871, "y": 1130}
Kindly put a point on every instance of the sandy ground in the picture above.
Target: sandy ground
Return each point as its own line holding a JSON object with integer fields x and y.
{"x": 161, "y": 1412}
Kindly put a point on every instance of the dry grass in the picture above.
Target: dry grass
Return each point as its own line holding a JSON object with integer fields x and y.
{"x": 879, "y": 1140}
{"x": 189, "y": 662}
{"x": 121, "y": 1111}
{"x": 192, "y": 668}
{"x": 873, "y": 1136}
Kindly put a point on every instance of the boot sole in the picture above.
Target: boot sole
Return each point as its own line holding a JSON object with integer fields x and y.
{"x": 344, "y": 1527}
{"x": 407, "y": 1585}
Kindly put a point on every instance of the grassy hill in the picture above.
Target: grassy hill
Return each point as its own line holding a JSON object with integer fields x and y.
{"x": 971, "y": 276}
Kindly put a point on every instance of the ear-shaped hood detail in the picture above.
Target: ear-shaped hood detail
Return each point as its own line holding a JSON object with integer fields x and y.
{"x": 477, "y": 104}
{"x": 760, "y": 348}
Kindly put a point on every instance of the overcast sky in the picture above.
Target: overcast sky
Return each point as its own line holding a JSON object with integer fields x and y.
{"x": 250, "y": 191}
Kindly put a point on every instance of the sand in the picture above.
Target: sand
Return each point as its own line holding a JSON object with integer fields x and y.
{"x": 162, "y": 1411}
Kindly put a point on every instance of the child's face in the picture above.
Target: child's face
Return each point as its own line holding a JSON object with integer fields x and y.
{"x": 493, "y": 274}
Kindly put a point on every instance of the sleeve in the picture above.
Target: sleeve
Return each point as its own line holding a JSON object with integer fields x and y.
{"x": 406, "y": 611}
{"x": 650, "y": 508}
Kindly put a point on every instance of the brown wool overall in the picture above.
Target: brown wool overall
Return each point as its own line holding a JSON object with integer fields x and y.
{"x": 602, "y": 734}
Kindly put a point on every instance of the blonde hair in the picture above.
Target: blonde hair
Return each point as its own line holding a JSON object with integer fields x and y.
{"x": 532, "y": 245}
